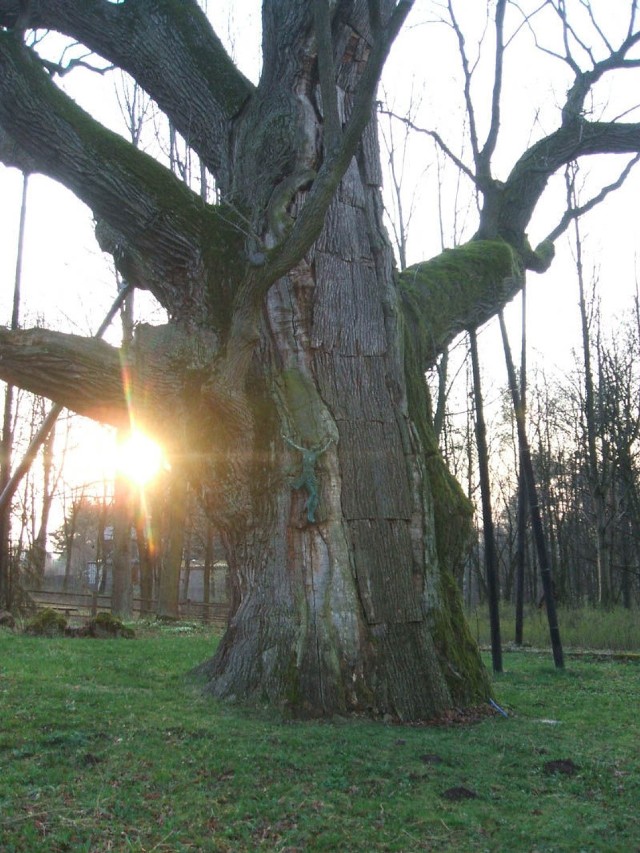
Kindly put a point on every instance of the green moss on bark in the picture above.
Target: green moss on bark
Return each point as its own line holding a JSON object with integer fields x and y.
{"x": 224, "y": 257}
{"x": 442, "y": 297}
{"x": 457, "y": 290}
{"x": 231, "y": 87}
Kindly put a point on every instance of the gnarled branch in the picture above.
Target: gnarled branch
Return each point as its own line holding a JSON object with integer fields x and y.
{"x": 162, "y": 44}
{"x": 154, "y": 225}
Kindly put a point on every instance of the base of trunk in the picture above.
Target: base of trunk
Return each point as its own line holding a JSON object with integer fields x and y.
{"x": 403, "y": 671}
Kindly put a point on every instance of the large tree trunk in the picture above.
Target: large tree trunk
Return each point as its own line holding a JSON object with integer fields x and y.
{"x": 350, "y": 608}
{"x": 289, "y": 385}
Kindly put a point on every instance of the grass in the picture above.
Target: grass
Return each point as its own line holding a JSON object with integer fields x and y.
{"x": 105, "y": 746}
{"x": 581, "y": 628}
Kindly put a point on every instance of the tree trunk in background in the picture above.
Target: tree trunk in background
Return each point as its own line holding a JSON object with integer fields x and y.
{"x": 521, "y": 532}
{"x": 40, "y": 542}
{"x": 207, "y": 570}
{"x": 6, "y": 448}
{"x": 171, "y": 560}
{"x": 145, "y": 556}
{"x": 188, "y": 538}
{"x": 6, "y": 445}
{"x": 490, "y": 554}
{"x": 534, "y": 506}
{"x": 122, "y": 589}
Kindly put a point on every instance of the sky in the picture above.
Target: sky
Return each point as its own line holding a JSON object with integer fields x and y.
{"x": 69, "y": 284}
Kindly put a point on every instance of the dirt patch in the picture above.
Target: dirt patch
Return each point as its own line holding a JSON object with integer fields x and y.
{"x": 459, "y": 793}
{"x": 431, "y": 758}
{"x": 561, "y": 765}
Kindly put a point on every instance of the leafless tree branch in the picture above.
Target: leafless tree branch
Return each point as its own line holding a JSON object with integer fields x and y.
{"x": 436, "y": 137}
{"x": 575, "y": 212}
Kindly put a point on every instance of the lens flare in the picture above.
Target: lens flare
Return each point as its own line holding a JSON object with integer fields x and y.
{"x": 139, "y": 458}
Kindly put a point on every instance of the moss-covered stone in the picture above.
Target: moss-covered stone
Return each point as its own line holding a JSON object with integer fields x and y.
{"x": 106, "y": 625}
{"x": 48, "y": 623}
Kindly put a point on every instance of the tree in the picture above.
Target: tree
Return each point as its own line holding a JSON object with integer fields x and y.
{"x": 289, "y": 327}
{"x": 6, "y": 445}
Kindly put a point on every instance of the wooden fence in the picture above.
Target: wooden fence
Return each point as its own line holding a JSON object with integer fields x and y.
{"x": 82, "y": 605}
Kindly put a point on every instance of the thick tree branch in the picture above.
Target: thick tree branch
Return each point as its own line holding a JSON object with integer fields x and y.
{"x": 528, "y": 179}
{"x": 310, "y": 220}
{"x": 575, "y": 212}
{"x": 169, "y": 47}
{"x": 119, "y": 183}
{"x": 458, "y": 290}
{"x": 468, "y": 74}
{"x": 156, "y": 228}
{"x": 492, "y": 138}
{"x": 82, "y": 374}
{"x": 167, "y": 374}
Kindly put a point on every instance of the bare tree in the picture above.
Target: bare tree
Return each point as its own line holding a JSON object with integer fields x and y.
{"x": 6, "y": 445}
{"x": 490, "y": 554}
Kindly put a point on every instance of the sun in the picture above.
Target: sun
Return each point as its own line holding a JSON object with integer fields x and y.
{"x": 139, "y": 458}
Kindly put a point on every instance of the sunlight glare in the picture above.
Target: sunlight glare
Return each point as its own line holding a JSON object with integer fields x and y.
{"x": 139, "y": 458}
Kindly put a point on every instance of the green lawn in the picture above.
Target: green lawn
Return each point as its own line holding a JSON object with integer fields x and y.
{"x": 105, "y": 746}
{"x": 616, "y": 630}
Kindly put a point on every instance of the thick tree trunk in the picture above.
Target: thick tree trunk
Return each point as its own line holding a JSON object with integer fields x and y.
{"x": 350, "y": 608}
{"x": 291, "y": 376}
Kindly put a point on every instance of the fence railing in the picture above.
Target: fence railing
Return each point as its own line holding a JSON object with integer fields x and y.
{"x": 86, "y": 604}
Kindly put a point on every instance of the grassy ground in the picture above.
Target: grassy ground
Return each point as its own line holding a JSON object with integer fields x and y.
{"x": 582, "y": 628}
{"x": 105, "y": 746}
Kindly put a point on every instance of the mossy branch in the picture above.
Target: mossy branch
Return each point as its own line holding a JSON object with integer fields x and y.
{"x": 457, "y": 290}
{"x": 152, "y": 209}
{"x": 170, "y": 48}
